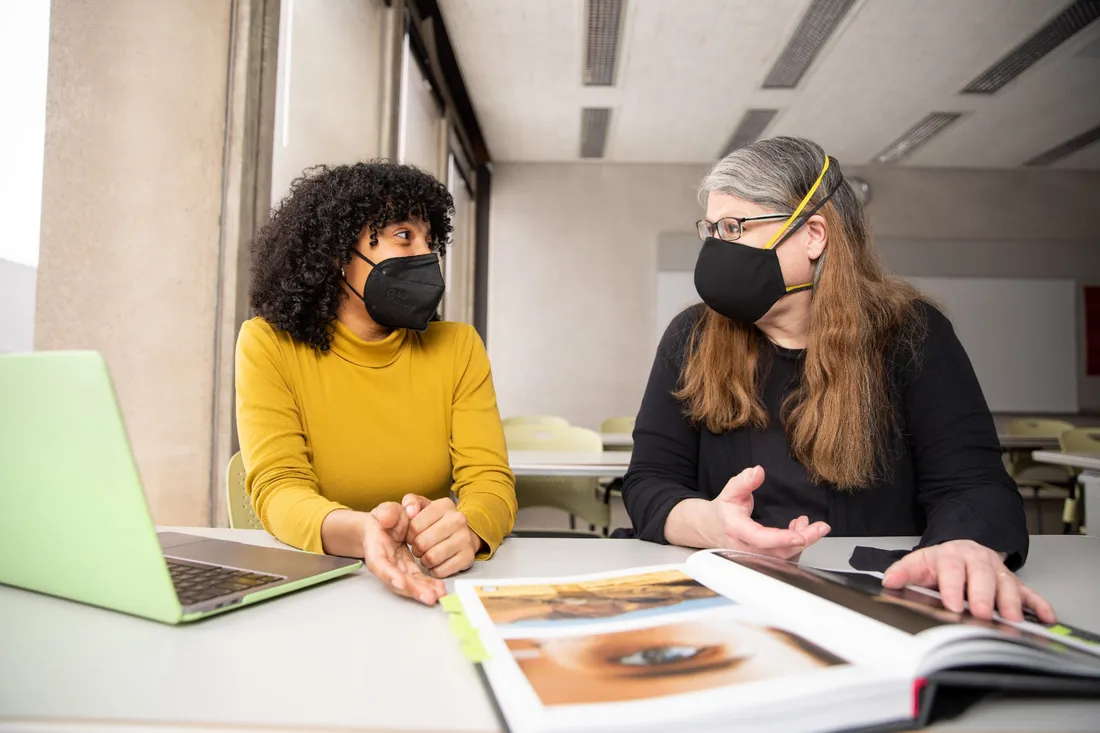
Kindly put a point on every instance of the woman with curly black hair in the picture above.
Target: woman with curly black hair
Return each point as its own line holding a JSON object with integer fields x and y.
{"x": 358, "y": 411}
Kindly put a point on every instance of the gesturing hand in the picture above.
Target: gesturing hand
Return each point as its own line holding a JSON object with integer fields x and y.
{"x": 964, "y": 568}
{"x": 734, "y": 528}
{"x": 388, "y": 558}
{"x": 439, "y": 536}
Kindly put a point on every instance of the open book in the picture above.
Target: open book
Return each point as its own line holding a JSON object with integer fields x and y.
{"x": 730, "y": 641}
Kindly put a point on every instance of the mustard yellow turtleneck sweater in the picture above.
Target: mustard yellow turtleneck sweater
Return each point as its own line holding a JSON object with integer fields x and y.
{"x": 368, "y": 422}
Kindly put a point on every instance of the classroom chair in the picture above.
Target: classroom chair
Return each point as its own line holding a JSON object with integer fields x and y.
{"x": 1077, "y": 440}
{"x": 1044, "y": 481}
{"x": 579, "y": 496}
{"x": 617, "y": 425}
{"x": 544, "y": 420}
{"x": 241, "y": 514}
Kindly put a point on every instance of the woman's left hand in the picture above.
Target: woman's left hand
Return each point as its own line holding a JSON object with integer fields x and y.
{"x": 963, "y": 567}
{"x": 439, "y": 536}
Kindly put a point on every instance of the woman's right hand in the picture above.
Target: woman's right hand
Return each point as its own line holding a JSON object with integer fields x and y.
{"x": 726, "y": 522}
{"x": 389, "y": 559}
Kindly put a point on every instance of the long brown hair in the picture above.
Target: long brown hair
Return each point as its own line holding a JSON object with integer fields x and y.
{"x": 839, "y": 418}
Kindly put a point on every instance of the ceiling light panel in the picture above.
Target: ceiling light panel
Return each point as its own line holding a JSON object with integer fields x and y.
{"x": 817, "y": 25}
{"x": 749, "y": 129}
{"x": 919, "y": 134}
{"x": 1066, "y": 149}
{"x": 1060, "y": 29}
{"x": 603, "y": 32}
{"x": 594, "y": 124}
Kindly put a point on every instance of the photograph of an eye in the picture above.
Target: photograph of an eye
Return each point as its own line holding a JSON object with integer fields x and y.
{"x": 623, "y": 597}
{"x": 670, "y": 659}
{"x": 661, "y": 655}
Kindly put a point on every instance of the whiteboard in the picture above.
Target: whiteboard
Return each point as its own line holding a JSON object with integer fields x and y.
{"x": 1020, "y": 334}
{"x": 675, "y": 291}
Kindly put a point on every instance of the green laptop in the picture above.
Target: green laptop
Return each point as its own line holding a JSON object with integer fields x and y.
{"x": 73, "y": 519}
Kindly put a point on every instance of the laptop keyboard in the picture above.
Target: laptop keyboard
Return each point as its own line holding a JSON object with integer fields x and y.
{"x": 198, "y": 583}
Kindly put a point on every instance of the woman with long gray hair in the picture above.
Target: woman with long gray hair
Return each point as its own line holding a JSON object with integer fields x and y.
{"x": 813, "y": 392}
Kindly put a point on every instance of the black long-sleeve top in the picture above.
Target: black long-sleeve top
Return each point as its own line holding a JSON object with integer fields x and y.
{"x": 944, "y": 481}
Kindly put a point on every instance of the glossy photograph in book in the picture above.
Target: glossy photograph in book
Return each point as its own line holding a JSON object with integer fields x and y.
{"x": 671, "y": 659}
{"x": 620, "y": 597}
{"x": 853, "y": 591}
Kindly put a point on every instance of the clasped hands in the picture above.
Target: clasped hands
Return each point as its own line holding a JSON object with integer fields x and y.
{"x": 959, "y": 569}
{"x": 412, "y": 545}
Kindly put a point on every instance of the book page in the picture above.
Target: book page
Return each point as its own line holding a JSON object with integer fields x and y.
{"x": 918, "y": 612}
{"x": 654, "y": 646}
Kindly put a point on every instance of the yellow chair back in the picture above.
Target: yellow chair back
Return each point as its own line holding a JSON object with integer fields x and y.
{"x": 241, "y": 514}
{"x": 617, "y": 425}
{"x": 553, "y": 438}
{"x": 1038, "y": 428}
{"x": 1080, "y": 440}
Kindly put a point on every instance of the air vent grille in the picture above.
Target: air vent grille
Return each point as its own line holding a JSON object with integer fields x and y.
{"x": 1059, "y": 30}
{"x": 819, "y": 22}
{"x": 749, "y": 129}
{"x": 594, "y": 124}
{"x": 1066, "y": 149}
{"x": 919, "y": 134}
{"x": 602, "y": 36}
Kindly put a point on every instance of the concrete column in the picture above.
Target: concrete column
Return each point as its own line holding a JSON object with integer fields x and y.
{"x": 134, "y": 257}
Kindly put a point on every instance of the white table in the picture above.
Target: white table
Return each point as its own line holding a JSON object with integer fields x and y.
{"x": 617, "y": 440}
{"x": 609, "y": 464}
{"x": 1025, "y": 442}
{"x": 1089, "y": 478}
{"x": 349, "y": 655}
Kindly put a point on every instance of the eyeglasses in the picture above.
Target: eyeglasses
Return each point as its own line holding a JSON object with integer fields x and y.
{"x": 731, "y": 228}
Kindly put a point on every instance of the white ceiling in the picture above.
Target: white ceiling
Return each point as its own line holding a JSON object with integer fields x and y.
{"x": 688, "y": 69}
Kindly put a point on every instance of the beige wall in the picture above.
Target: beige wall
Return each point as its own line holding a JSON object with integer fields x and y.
{"x": 572, "y": 273}
{"x": 136, "y": 111}
{"x": 575, "y": 249}
{"x": 1022, "y": 223}
{"x": 328, "y": 103}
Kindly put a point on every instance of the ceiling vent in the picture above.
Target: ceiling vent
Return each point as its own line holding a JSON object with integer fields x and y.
{"x": 602, "y": 36}
{"x": 919, "y": 134}
{"x": 819, "y": 22}
{"x": 1059, "y": 30}
{"x": 1066, "y": 149}
{"x": 749, "y": 129}
{"x": 594, "y": 124}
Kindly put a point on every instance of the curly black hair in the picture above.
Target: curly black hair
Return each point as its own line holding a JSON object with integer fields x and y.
{"x": 297, "y": 256}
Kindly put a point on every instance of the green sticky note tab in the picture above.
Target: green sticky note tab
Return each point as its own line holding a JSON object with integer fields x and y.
{"x": 1060, "y": 630}
{"x": 473, "y": 650}
{"x": 451, "y": 603}
{"x": 460, "y": 626}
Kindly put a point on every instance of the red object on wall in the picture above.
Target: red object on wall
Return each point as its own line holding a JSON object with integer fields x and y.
{"x": 1092, "y": 331}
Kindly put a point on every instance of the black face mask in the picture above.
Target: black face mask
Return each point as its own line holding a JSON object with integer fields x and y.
{"x": 742, "y": 282}
{"x": 402, "y": 292}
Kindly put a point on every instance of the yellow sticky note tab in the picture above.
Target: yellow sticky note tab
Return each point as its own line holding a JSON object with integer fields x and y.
{"x": 451, "y": 603}
{"x": 1061, "y": 630}
{"x": 473, "y": 650}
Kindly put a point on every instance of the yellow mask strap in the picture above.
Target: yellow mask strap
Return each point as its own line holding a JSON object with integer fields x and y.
{"x": 801, "y": 206}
